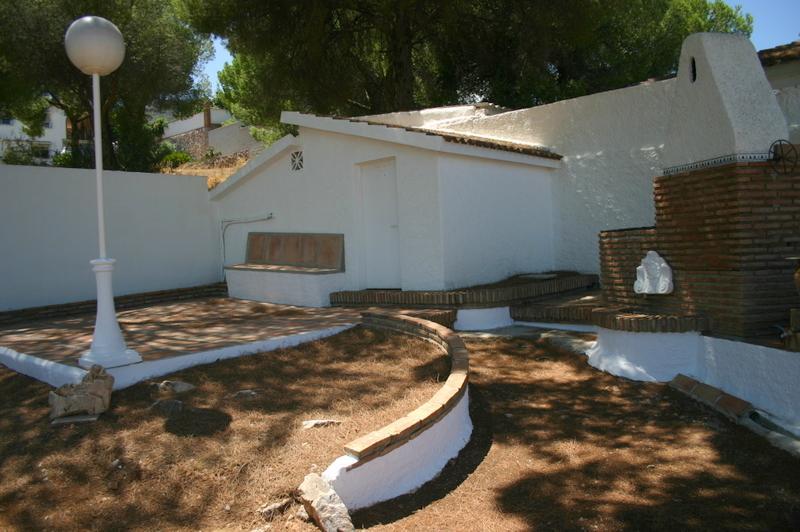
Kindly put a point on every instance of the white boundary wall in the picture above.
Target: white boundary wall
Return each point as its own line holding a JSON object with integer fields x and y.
{"x": 764, "y": 376}
{"x": 611, "y": 143}
{"x": 233, "y": 138}
{"x": 161, "y": 229}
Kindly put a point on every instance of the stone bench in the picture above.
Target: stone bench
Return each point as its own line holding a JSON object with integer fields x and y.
{"x": 289, "y": 268}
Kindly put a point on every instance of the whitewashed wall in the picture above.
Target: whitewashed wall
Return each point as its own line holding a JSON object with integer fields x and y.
{"x": 160, "y": 228}
{"x": 789, "y": 101}
{"x": 611, "y": 143}
{"x": 322, "y": 198}
{"x": 232, "y": 138}
{"x": 497, "y": 219}
{"x": 196, "y": 121}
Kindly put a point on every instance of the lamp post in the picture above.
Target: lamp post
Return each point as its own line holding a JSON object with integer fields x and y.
{"x": 95, "y": 46}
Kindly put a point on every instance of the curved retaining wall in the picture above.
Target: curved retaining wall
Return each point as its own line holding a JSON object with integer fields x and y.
{"x": 410, "y": 451}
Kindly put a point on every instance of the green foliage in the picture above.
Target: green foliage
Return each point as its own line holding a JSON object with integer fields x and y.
{"x": 210, "y": 154}
{"x": 268, "y": 135}
{"x": 19, "y": 153}
{"x": 81, "y": 156}
{"x": 370, "y": 56}
{"x": 175, "y": 159}
{"x": 162, "y": 56}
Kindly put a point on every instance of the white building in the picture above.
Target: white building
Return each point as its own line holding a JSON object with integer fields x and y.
{"x": 44, "y": 147}
{"x": 456, "y": 196}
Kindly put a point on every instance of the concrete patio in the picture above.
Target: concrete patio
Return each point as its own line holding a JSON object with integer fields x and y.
{"x": 169, "y": 336}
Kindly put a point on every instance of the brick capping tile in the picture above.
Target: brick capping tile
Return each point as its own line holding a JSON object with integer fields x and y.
{"x": 400, "y": 431}
{"x": 633, "y": 320}
{"x": 125, "y": 302}
{"x": 728, "y": 405}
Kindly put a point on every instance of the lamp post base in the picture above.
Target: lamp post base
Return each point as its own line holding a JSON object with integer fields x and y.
{"x": 126, "y": 358}
{"x": 108, "y": 346}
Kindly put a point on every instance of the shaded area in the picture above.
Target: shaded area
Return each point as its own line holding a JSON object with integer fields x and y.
{"x": 453, "y": 474}
{"x": 175, "y": 328}
{"x": 214, "y": 460}
{"x": 573, "y": 448}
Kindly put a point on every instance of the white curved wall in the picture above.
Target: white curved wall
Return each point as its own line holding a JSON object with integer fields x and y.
{"x": 405, "y": 468}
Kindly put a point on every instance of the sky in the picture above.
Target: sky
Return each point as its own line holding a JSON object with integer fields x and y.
{"x": 775, "y": 22}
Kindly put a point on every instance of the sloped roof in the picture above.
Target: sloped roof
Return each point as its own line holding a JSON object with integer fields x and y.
{"x": 436, "y": 140}
{"x": 780, "y": 54}
{"x": 471, "y": 140}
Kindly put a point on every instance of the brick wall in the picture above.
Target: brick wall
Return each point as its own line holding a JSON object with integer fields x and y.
{"x": 725, "y": 231}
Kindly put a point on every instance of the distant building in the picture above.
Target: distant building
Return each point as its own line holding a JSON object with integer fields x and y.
{"x": 44, "y": 147}
{"x": 191, "y": 134}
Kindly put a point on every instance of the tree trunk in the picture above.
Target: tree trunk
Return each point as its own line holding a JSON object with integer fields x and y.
{"x": 400, "y": 72}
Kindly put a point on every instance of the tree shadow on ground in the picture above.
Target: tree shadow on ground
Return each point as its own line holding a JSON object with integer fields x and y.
{"x": 604, "y": 452}
{"x": 137, "y": 468}
{"x": 453, "y": 474}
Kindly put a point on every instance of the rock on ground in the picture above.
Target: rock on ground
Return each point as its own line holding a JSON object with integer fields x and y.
{"x": 91, "y": 396}
{"x": 315, "y": 423}
{"x": 324, "y": 505}
{"x": 268, "y": 511}
{"x": 175, "y": 387}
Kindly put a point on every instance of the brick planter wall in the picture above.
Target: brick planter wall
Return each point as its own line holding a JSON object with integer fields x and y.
{"x": 725, "y": 232}
{"x": 399, "y": 432}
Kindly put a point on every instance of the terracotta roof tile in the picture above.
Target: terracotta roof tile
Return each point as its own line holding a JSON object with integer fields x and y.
{"x": 780, "y": 54}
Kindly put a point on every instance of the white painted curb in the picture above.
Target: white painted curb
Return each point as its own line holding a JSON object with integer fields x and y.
{"x": 57, "y": 374}
{"x": 577, "y": 327}
{"x": 129, "y": 375}
{"x": 405, "y": 468}
{"x": 53, "y": 373}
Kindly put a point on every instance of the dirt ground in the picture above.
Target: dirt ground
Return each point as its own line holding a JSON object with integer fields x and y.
{"x": 559, "y": 445}
{"x": 214, "y": 463}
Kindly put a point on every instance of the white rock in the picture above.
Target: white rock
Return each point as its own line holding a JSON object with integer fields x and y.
{"x": 316, "y": 423}
{"x": 245, "y": 394}
{"x": 324, "y": 505}
{"x": 175, "y": 387}
{"x": 302, "y": 514}
{"x": 268, "y": 511}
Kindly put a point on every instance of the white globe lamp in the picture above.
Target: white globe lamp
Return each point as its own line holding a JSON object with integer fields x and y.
{"x": 96, "y": 47}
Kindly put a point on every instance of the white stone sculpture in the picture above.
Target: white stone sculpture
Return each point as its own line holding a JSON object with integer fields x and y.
{"x": 653, "y": 275}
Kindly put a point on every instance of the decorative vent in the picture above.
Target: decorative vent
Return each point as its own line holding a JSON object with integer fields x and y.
{"x": 297, "y": 161}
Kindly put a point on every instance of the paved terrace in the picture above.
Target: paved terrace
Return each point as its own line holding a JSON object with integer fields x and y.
{"x": 174, "y": 328}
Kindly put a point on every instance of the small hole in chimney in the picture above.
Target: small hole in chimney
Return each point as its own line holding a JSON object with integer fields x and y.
{"x": 694, "y": 70}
